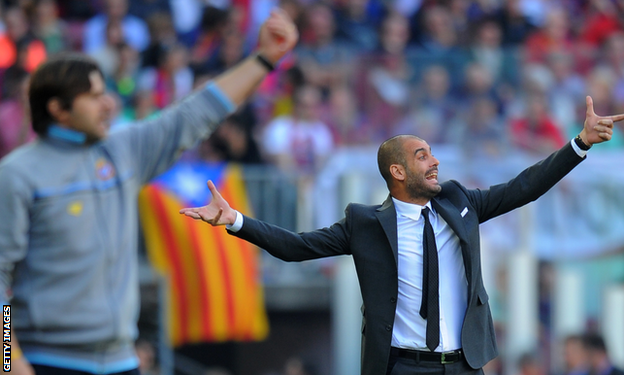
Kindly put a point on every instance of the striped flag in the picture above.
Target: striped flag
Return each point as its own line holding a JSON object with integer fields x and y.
{"x": 213, "y": 290}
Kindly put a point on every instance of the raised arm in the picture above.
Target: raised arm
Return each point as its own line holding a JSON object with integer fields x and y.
{"x": 156, "y": 143}
{"x": 277, "y": 36}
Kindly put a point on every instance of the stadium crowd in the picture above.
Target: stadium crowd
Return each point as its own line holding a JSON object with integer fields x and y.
{"x": 497, "y": 71}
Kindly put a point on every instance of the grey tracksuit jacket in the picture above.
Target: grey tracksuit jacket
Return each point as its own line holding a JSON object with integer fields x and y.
{"x": 68, "y": 233}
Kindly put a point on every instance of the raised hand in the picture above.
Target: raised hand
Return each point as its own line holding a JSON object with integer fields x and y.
{"x": 597, "y": 129}
{"x": 217, "y": 212}
{"x": 278, "y": 35}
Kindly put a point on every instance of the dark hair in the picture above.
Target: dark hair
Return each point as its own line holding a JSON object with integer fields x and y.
{"x": 593, "y": 341}
{"x": 64, "y": 77}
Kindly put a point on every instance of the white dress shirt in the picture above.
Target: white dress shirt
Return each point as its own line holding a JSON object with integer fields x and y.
{"x": 410, "y": 329}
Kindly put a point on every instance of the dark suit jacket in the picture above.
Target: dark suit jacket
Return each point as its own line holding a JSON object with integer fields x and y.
{"x": 369, "y": 234}
{"x": 616, "y": 371}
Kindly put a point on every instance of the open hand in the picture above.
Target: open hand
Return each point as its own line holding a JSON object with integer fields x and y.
{"x": 217, "y": 212}
{"x": 597, "y": 129}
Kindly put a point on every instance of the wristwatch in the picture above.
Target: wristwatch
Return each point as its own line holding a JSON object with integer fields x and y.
{"x": 579, "y": 142}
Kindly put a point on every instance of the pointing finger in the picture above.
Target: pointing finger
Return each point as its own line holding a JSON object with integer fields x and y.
{"x": 617, "y": 118}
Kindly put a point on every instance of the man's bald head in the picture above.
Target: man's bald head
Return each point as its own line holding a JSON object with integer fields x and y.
{"x": 392, "y": 152}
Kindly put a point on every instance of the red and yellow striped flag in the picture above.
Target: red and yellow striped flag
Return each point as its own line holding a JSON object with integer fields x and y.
{"x": 214, "y": 292}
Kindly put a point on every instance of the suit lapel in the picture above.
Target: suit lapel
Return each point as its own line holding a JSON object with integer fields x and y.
{"x": 386, "y": 214}
{"x": 451, "y": 215}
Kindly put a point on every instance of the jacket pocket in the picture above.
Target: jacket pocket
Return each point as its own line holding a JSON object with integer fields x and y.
{"x": 482, "y": 296}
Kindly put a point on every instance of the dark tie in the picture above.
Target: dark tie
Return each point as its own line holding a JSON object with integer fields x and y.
{"x": 430, "y": 306}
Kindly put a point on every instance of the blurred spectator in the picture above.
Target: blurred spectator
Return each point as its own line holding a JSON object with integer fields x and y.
{"x": 598, "y": 357}
{"x": 383, "y": 79}
{"x": 614, "y": 59}
{"x": 463, "y": 13}
{"x": 18, "y": 39}
{"x": 347, "y": 123}
{"x": 484, "y": 127}
{"x": 135, "y": 30}
{"x": 213, "y": 22}
{"x": 124, "y": 79}
{"x": 478, "y": 83}
{"x": 434, "y": 94}
{"x": 162, "y": 36}
{"x": 324, "y": 61}
{"x": 15, "y": 128}
{"x": 300, "y": 142}
{"x": 230, "y": 52}
{"x": 515, "y": 25}
{"x": 432, "y": 108}
{"x": 439, "y": 44}
{"x": 488, "y": 51}
{"x": 422, "y": 122}
{"x": 143, "y": 106}
{"x": 555, "y": 36}
{"x": 355, "y": 26}
{"x": 107, "y": 55}
{"x": 602, "y": 21}
{"x": 49, "y": 27}
{"x": 535, "y": 131}
{"x": 234, "y": 139}
{"x": 574, "y": 356}
{"x": 172, "y": 80}
{"x": 566, "y": 93}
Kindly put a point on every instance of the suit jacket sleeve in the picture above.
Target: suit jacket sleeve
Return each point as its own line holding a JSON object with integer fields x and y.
{"x": 290, "y": 246}
{"x": 529, "y": 185}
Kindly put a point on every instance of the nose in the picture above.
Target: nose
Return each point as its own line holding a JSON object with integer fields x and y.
{"x": 108, "y": 102}
{"x": 435, "y": 160}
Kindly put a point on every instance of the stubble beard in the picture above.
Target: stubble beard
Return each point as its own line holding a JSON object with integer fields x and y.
{"x": 418, "y": 188}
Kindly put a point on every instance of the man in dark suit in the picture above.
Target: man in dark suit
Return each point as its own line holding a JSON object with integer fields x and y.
{"x": 447, "y": 329}
{"x": 598, "y": 357}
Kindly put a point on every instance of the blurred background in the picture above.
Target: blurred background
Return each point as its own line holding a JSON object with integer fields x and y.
{"x": 492, "y": 85}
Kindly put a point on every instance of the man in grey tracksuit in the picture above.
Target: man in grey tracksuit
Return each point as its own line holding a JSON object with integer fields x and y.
{"x": 68, "y": 207}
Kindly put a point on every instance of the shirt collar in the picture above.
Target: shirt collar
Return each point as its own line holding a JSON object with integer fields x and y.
{"x": 410, "y": 210}
{"x": 67, "y": 135}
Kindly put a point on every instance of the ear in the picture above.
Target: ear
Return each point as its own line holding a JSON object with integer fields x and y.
{"x": 398, "y": 172}
{"x": 55, "y": 108}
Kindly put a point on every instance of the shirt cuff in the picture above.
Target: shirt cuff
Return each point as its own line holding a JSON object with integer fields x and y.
{"x": 229, "y": 106}
{"x": 579, "y": 152}
{"x": 238, "y": 223}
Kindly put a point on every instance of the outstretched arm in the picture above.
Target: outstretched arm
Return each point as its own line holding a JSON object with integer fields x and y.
{"x": 279, "y": 242}
{"x": 217, "y": 212}
{"x": 537, "y": 179}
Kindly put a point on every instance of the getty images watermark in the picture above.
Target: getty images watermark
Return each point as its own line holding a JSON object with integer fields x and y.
{"x": 6, "y": 337}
